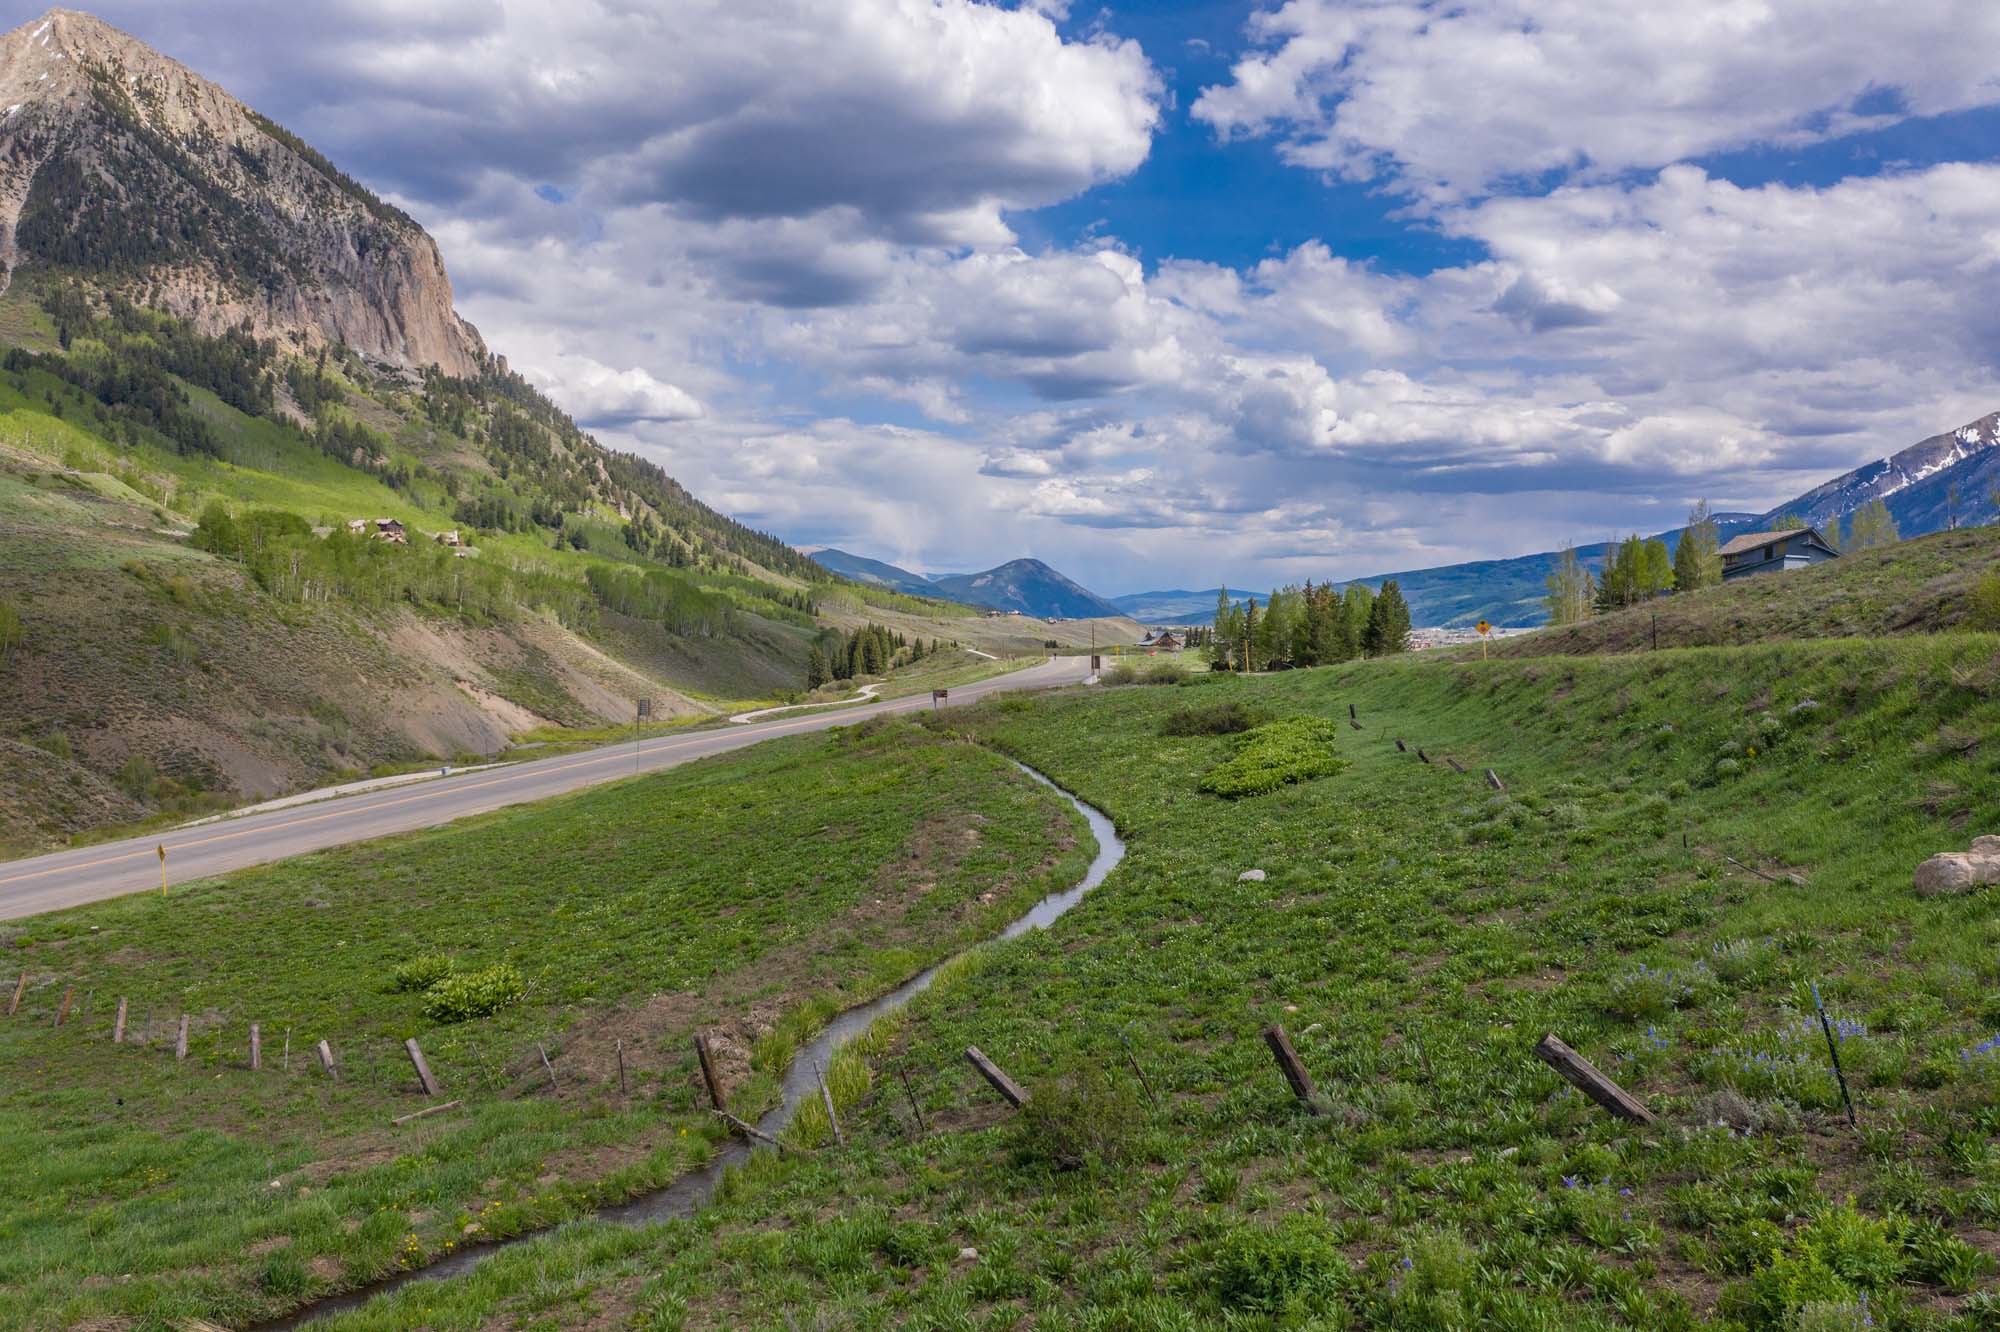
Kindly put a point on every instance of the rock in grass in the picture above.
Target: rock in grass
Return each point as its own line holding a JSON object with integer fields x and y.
{"x": 1250, "y": 876}
{"x": 1953, "y": 872}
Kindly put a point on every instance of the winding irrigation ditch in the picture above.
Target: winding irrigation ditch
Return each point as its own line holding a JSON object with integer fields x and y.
{"x": 690, "y": 1191}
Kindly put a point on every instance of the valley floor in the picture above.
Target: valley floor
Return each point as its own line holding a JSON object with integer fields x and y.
{"x": 1689, "y": 846}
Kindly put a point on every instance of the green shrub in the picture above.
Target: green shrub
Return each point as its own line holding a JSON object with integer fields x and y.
{"x": 1121, "y": 674}
{"x": 1263, "y": 1267}
{"x": 1275, "y": 754}
{"x": 1230, "y": 718}
{"x": 1836, "y": 1259}
{"x": 473, "y": 994}
{"x": 420, "y": 973}
{"x": 1166, "y": 673}
{"x": 1080, "y": 1116}
{"x": 1982, "y": 609}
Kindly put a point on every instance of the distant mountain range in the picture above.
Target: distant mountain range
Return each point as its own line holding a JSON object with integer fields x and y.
{"x": 1916, "y": 485}
{"x": 864, "y": 570}
{"x": 1028, "y": 586}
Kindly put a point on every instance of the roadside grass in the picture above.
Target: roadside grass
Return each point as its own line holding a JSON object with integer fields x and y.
{"x": 750, "y": 896}
{"x": 1417, "y": 932}
{"x": 1921, "y": 585}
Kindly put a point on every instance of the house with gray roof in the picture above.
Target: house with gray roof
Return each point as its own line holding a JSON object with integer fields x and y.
{"x": 1774, "y": 552}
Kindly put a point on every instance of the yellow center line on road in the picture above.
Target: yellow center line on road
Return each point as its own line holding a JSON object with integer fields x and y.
{"x": 731, "y": 739}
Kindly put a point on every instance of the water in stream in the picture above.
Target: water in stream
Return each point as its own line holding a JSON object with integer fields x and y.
{"x": 690, "y": 1191}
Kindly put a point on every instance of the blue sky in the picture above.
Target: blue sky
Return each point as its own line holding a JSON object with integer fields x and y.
{"x": 1176, "y": 294}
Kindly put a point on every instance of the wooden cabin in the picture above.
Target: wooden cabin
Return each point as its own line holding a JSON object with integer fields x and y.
{"x": 1774, "y": 552}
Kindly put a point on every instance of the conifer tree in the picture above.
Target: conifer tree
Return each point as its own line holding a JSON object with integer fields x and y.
{"x": 1388, "y": 623}
{"x": 816, "y": 673}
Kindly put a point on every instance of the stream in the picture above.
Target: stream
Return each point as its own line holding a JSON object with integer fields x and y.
{"x": 691, "y": 1190}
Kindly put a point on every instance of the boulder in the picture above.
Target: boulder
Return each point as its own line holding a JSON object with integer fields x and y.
{"x": 1250, "y": 876}
{"x": 1986, "y": 846}
{"x": 1954, "y": 872}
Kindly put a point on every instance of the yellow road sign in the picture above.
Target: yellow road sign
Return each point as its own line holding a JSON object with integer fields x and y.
{"x": 163, "y": 869}
{"x": 1483, "y": 627}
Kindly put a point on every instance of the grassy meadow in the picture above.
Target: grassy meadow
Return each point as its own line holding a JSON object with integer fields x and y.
{"x": 750, "y": 896}
{"x": 1688, "y": 843}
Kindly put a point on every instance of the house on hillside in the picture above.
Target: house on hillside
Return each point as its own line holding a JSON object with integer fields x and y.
{"x": 1774, "y": 552}
{"x": 1165, "y": 641}
{"x": 388, "y": 529}
{"x": 451, "y": 538}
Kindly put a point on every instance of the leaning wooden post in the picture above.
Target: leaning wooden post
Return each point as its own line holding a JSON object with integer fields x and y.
{"x": 118, "y": 1025}
{"x": 62, "y": 1012}
{"x": 181, "y": 1040}
{"x": 621, "y": 1067}
{"x": 326, "y": 1060}
{"x": 20, "y": 988}
{"x": 1582, "y": 1074}
{"x": 256, "y": 1046}
{"x": 431, "y": 1087}
{"x": 1001, "y": 1083}
{"x": 1420, "y": 754}
{"x": 914, "y": 1110}
{"x": 826, "y": 1095}
{"x": 1456, "y": 766}
{"x": 1493, "y": 780}
{"x": 1289, "y": 1063}
{"x": 1402, "y": 748}
{"x": 701, "y": 1053}
{"x": 543, "y": 1051}
{"x": 1351, "y": 713}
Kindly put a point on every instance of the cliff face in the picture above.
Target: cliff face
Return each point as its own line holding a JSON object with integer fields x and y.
{"x": 118, "y": 162}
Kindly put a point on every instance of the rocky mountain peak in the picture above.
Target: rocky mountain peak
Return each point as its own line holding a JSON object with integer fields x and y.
{"x": 109, "y": 150}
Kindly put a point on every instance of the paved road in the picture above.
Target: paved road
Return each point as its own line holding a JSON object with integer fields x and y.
{"x": 112, "y": 869}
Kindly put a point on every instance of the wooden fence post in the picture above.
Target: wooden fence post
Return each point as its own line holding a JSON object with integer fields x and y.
{"x": 708, "y": 1073}
{"x": 118, "y": 1025}
{"x": 1001, "y": 1083}
{"x": 20, "y": 988}
{"x": 62, "y": 1012}
{"x": 1402, "y": 748}
{"x": 326, "y": 1060}
{"x": 553, "y": 1085}
{"x": 621, "y": 1067}
{"x": 1456, "y": 766}
{"x": 1493, "y": 780}
{"x": 181, "y": 1040}
{"x": 1289, "y": 1063}
{"x": 256, "y": 1046}
{"x": 1582, "y": 1074}
{"x": 1420, "y": 754}
{"x": 430, "y": 1083}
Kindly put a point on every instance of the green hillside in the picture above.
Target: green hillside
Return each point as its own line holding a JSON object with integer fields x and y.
{"x": 1947, "y": 580}
{"x": 1649, "y": 885}
{"x": 190, "y": 621}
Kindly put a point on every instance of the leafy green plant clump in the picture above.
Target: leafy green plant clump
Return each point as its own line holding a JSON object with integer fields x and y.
{"x": 1231, "y": 718}
{"x": 465, "y": 995}
{"x": 419, "y": 973}
{"x": 1296, "y": 749}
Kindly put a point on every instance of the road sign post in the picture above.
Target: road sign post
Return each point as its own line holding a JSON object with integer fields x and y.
{"x": 163, "y": 869}
{"x": 1484, "y": 629}
{"x": 938, "y": 696}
